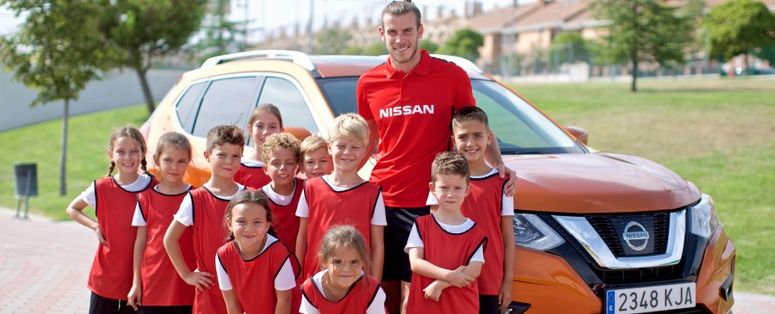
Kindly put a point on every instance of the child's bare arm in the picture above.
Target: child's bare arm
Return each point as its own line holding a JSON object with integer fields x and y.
{"x": 232, "y": 304}
{"x": 201, "y": 280}
{"x": 457, "y": 277}
{"x": 283, "y": 302}
{"x": 75, "y": 211}
{"x": 507, "y": 230}
{"x": 301, "y": 241}
{"x": 377, "y": 235}
{"x": 134, "y": 298}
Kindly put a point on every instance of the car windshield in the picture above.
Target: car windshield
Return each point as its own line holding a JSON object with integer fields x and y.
{"x": 520, "y": 128}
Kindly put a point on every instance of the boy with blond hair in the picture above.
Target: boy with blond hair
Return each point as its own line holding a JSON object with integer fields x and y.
{"x": 342, "y": 197}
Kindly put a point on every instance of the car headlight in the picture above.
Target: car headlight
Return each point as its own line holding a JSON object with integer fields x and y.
{"x": 704, "y": 219}
{"x": 532, "y": 232}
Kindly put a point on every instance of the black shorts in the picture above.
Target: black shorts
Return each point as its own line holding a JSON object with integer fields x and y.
{"x": 102, "y": 305}
{"x": 488, "y": 304}
{"x": 399, "y": 224}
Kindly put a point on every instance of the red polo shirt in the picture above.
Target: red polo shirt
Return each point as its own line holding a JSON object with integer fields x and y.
{"x": 413, "y": 112}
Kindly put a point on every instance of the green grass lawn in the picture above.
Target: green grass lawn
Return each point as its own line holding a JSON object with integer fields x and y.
{"x": 716, "y": 133}
{"x": 40, "y": 143}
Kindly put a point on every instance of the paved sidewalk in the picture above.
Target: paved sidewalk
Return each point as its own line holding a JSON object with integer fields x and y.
{"x": 44, "y": 264}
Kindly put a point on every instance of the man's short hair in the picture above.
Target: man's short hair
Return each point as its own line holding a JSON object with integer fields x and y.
{"x": 396, "y": 8}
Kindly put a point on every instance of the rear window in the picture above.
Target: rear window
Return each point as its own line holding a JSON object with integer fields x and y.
{"x": 287, "y": 97}
{"x": 188, "y": 105}
{"x": 226, "y": 101}
{"x": 340, "y": 93}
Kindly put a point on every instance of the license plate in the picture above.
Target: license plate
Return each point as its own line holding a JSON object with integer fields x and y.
{"x": 651, "y": 299}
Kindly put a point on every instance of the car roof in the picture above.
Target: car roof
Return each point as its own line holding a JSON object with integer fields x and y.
{"x": 326, "y": 66}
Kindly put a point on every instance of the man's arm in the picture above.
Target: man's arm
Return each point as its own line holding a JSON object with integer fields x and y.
{"x": 493, "y": 157}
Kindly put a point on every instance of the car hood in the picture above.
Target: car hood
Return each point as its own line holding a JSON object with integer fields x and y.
{"x": 596, "y": 183}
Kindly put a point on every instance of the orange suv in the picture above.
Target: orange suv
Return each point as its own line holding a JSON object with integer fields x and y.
{"x": 595, "y": 232}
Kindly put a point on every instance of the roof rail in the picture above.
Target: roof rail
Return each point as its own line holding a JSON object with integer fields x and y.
{"x": 297, "y": 57}
{"x": 461, "y": 62}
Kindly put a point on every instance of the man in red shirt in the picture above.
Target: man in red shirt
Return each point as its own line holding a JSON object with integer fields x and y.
{"x": 408, "y": 103}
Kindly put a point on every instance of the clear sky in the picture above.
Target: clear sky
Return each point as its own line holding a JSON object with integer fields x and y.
{"x": 272, "y": 14}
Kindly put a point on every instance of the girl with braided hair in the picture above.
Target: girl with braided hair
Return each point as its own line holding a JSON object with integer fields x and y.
{"x": 113, "y": 198}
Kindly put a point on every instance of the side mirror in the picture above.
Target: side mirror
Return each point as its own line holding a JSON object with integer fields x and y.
{"x": 579, "y": 133}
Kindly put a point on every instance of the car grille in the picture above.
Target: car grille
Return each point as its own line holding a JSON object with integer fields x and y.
{"x": 628, "y": 276}
{"x": 607, "y": 226}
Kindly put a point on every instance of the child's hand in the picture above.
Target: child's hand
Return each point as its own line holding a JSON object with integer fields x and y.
{"x": 433, "y": 291}
{"x": 504, "y": 298}
{"x": 458, "y": 278}
{"x": 98, "y": 232}
{"x": 133, "y": 298}
{"x": 201, "y": 280}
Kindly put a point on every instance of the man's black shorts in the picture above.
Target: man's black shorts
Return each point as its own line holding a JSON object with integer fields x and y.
{"x": 399, "y": 224}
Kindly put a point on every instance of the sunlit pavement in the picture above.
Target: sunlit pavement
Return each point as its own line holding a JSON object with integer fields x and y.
{"x": 44, "y": 264}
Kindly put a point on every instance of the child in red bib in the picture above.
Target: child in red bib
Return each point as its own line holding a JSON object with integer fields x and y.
{"x": 202, "y": 212}
{"x": 155, "y": 285}
{"x": 342, "y": 197}
{"x": 315, "y": 159}
{"x": 254, "y": 269}
{"x": 265, "y": 120}
{"x": 489, "y": 206}
{"x": 342, "y": 287}
{"x": 446, "y": 249}
{"x": 113, "y": 199}
{"x": 281, "y": 153}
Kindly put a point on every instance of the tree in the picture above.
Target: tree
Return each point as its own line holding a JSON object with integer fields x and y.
{"x": 568, "y": 47}
{"x": 643, "y": 30}
{"x": 738, "y": 27}
{"x": 464, "y": 43}
{"x": 332, "y": 41}
{"x": 376, "y": 48}
{"x": 220, "y": 34}
{"x": 138, "y": 30}
{"x": 426, "y": 44}
{"x": 55, "y": 52}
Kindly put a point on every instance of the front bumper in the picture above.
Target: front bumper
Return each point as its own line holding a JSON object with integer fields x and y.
{"x": 566, "y": 279}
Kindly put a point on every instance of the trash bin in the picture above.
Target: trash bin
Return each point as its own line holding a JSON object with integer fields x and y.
{"x": 26, "y": 185}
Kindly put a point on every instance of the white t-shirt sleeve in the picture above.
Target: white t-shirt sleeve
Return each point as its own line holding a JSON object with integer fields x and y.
{"x": 478, "y": 255}
{"x": 90, "y": 195}
{"x": 414, "y": 240}
{"x": 377, "y": 305}
{"x": 138, "y": 220}
{"x": 378, "y": 218}
{"x": 285, "y": 279}
{"x": 185, "y": 214}
{"x": 507, "y": 205}
{"x": 223, "y": 278}
{"x": 302, "y": 210}
{"x": 307, "y": 307}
